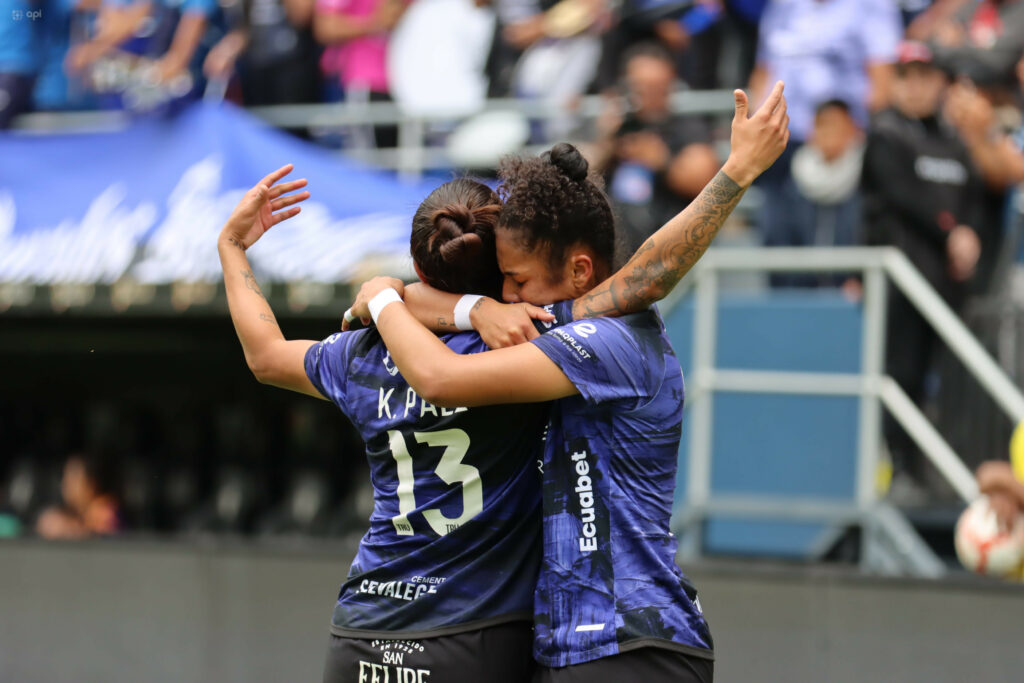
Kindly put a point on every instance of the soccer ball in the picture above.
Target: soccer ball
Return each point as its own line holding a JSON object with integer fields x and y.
{"x": 985, "y": 548}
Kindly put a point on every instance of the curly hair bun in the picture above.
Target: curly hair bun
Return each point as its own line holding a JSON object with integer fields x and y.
{"x": 568, "y": 160}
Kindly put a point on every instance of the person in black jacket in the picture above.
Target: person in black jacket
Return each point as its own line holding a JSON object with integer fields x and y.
{"x": 921, "y": 195}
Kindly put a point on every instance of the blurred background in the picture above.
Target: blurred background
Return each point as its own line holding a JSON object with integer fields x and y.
{"x": 853, "y": 344}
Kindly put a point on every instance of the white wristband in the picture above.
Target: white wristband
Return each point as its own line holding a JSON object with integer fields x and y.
{"x": 381, "y": 300}
{"x": 462, "y": 310}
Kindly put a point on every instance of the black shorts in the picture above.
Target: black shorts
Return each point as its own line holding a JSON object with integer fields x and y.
{"x": 496, "y": 654}
{"x": 648, "y": 665}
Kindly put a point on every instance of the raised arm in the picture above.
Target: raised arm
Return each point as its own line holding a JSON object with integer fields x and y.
{"x": 667, "y": 255}
{"x": 272, "y": 359}
{"x": 518, "y": 374}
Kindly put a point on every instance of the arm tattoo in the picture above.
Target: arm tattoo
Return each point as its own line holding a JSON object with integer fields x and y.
{"x": 662, "y": 261}
{"x": 268, "y": 318}
{"x": 477, "y": 304}
{"x": 236, "y": 243}
{"x": 250, "y": 283}
{"x": 443, "y": 322}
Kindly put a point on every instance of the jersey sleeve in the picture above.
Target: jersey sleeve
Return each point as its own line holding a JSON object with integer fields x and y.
{"x": 562, "y": 312}
{"x": 327, "y": 365}
{"x": 602, "y": 359}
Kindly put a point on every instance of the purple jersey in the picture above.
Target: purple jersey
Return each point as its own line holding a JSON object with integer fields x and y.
{"x": 608, "y": 581}
{"x": 454, "y": 540}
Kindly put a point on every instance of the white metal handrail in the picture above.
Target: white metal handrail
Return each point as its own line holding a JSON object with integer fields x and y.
{"x": 875, "y": 390}
{"x": 412, "y": 155}
{"x": 345, "y": 113}
{"x": 910, "y": 282}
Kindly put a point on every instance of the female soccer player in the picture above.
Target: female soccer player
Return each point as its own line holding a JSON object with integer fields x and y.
{"x": 441, "y": 589}
{"x": 611, "y": 603}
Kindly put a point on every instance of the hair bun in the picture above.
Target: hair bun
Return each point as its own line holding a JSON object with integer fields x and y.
{"x": 455, "y": 231}
{"x": 453, "y": 249}
{"x": 567, "y": 159}
{"x": 460, "y": 219}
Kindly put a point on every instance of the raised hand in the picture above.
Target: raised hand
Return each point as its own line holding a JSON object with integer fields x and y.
{"x": 758, "y": 140}
{"x": 261, "y": 208}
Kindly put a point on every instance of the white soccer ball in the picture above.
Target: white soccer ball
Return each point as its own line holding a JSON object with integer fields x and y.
{"x": 985, "y": 548}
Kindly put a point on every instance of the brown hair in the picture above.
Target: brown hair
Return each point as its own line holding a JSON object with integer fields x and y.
{"x": 452, "y": 240}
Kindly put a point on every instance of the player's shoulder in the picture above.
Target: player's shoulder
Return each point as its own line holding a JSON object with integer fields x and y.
{"x": 341, "y": 349}
{"x": 602, "y": 333}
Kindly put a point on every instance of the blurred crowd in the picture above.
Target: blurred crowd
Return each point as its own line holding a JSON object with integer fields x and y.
{"x": 106, "y": 470}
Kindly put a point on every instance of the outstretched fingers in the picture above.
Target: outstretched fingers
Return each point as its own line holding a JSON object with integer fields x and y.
{"x": 774, "y": 100}
{"x": 272, "y": 178}
{"x": 781, "y": 111}
{"x": 285, "y": 215}
{"x": 284, "y": 188}
{"x": 282, "y": 202}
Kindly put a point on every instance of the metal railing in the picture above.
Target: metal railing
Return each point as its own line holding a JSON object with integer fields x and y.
{"x": 889, "y": 542}
{"x": 415, "y": 152}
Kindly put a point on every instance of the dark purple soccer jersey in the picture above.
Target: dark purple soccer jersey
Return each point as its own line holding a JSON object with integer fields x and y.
{"x": 609, "y": 581}
{"x": 454, "y": 540}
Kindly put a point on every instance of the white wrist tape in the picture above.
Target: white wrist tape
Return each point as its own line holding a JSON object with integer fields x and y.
{"x": 381, "y": 300}
{"x": 462, "y": 310}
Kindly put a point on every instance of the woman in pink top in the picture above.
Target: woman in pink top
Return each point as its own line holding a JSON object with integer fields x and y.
{"x": 356, "y": 35}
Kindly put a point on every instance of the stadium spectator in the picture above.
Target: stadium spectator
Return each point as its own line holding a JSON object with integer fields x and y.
{"x": 691, "y": 32}
{"x": 990, "y": 30}
{"x": 921, "y": 195}
{"x": 559, "y": 50}
{"x": 822, "y": 50}
{"x": 63, "y": 23}
{"x": 742, "y": 18}
{"x": 824, "y": 208}
{"x": 654, "y": 162}
{"x": 355, "y": 60}
{"x": 146, "y": 52}
{"x": 518, "y": 23}
{"x": 545, "y": 48}
{"x": 19, "y": 56}
{"x": 995, "y": 151}
{"x": 827, "y": 49}
{"x": 270, "y": 42}
{"x": 90, "y": 502}
{"x": 983, "y": 107}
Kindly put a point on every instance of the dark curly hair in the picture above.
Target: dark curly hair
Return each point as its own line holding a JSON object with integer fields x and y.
{"x": 452, "y": 239}
{"x": 553, "y": 203}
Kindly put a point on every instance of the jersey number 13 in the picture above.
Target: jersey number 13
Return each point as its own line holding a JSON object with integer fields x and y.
{"x": 450, "y": 470}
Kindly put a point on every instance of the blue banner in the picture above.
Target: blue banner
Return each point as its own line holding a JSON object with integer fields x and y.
{"x": 147, "y": 203}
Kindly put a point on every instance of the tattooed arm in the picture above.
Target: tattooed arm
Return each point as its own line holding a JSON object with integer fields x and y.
{"x": 667, "y": 255}
{"x": 272, "y": 359}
